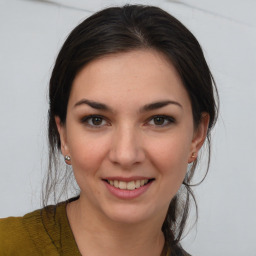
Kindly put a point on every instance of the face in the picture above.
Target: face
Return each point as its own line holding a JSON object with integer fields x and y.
{"x": 129, "y": 132}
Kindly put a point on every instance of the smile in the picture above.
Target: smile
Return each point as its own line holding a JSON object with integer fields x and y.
{"x": 131, "y": 185}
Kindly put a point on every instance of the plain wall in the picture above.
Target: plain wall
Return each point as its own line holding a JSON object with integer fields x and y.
{"x": 32, "y": 32}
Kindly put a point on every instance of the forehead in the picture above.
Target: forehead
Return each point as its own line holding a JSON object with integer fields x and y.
{"x": 133, "y": 77}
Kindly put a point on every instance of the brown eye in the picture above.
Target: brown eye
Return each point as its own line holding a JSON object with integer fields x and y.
{"x": 96, "y": 120}
{"x": 159, "y": 120}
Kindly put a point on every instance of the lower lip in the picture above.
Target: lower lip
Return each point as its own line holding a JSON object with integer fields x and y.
{"x": 125, "y": 193}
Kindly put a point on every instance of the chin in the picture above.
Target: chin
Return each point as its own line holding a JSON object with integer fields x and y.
{"x": 130, "y": 214}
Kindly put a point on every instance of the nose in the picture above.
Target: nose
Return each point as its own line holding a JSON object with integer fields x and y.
{"x": 126, "y": 148}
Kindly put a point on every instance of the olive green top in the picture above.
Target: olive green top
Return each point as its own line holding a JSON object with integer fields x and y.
{"x": 42, "y": 232}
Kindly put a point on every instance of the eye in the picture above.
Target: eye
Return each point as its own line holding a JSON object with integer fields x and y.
{"x": 161, "y": 120}
{"x": 94, "y": 121}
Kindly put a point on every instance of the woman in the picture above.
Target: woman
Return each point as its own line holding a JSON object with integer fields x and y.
{"x": 131, "y": 104}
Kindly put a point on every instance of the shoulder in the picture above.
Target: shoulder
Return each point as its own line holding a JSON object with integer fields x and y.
{"x": 28, "y": 235}
{"x": 14, "y": 237}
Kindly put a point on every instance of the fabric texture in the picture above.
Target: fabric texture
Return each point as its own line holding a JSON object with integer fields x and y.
{"x": 42, "y": 232}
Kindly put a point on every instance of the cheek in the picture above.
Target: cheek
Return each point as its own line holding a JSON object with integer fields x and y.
{"x": 87, "y": 154}
{"x": 172, "y": 167}
{"x": 170, "y": 157}
{"x": 170, "y": 150}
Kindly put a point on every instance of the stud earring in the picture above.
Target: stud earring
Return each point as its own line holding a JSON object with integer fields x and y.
{"x": 193, "y": 155}
{"x": 67, "y": 159}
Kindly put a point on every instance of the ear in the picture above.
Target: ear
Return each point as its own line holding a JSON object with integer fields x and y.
{"x": 199, "y": 136}
{"x": 63, "y": 136}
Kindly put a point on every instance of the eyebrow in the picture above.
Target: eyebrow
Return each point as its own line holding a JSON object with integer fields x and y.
{"x": 147, "y": 107}
{"x": 93, "y": 104}
{"x": 159, "y": 104}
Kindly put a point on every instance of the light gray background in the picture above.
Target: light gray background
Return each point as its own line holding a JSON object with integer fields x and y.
{"x": 31, "y": 33}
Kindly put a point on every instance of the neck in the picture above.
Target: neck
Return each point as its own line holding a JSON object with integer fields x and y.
{"x": 95, "y": 235}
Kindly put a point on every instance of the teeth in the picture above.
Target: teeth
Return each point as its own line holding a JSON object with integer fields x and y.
{"x": 137, "y": 183}
{"x": 131, "y": 185}
{"x": 116, "y": 183}
{"x": 122, "y": 185}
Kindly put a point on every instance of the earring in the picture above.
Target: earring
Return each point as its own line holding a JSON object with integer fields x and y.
{"x": 67, "y": 159}
{"x": 193, "y": 155}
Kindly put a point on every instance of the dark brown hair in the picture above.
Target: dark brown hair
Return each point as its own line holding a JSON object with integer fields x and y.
{"x": 123, "y": 29}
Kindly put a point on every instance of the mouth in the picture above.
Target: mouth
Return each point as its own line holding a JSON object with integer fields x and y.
{"x": 130, "y": 185}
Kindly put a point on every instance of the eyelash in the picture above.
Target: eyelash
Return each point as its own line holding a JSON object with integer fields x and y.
{"x": 168, "y": 120}
{"x": 89, "y": 118}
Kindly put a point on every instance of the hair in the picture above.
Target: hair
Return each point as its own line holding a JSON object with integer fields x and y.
{"x": 124, "y": 29}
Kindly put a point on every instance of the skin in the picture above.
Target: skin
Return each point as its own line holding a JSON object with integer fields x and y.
{"x": 127, "y": 141}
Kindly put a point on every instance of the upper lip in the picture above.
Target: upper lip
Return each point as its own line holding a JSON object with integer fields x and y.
{"x": 127, "y": 179}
